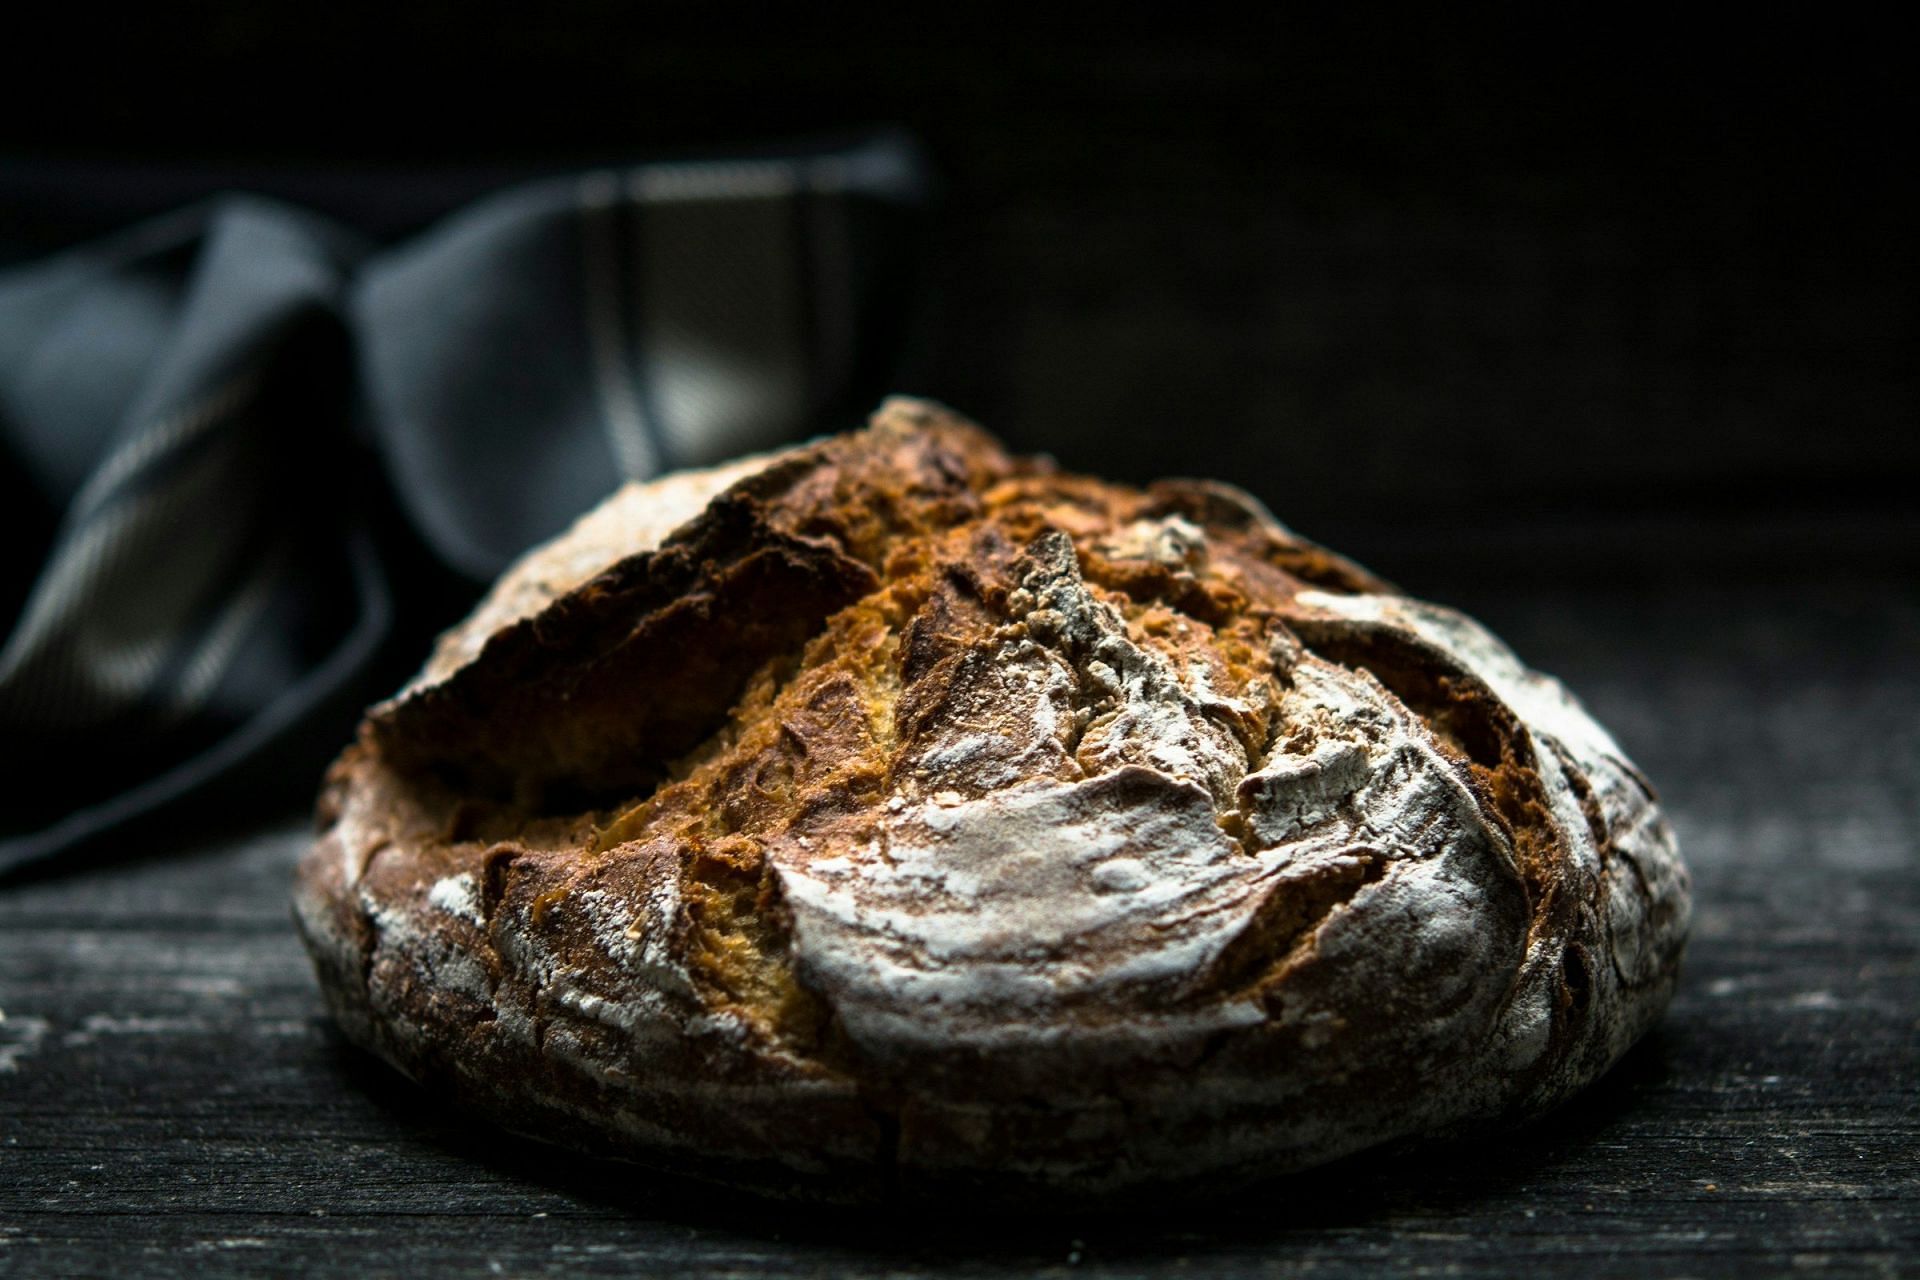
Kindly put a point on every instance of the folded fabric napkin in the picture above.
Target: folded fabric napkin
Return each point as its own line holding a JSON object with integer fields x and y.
{"x": 256, "y": 447}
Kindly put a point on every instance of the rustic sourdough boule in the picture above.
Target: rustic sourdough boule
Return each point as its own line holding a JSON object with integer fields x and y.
{"x": 890, "y": 816}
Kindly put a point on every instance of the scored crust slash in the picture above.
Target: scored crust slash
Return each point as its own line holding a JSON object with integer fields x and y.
{"x": 891, "y": 817}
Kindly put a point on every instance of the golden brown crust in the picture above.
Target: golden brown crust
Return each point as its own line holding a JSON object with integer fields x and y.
{"x": 918, "y": 818}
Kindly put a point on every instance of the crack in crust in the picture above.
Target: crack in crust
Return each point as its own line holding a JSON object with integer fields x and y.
{"x": 899, "y": 817}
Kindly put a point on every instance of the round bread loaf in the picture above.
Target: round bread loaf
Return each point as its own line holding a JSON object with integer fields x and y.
{"x": 890, "y": 816}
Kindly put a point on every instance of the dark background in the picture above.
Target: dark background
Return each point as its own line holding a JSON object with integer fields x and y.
{"x": 1600, "y": 327}
{"x": 1452, "y": 266}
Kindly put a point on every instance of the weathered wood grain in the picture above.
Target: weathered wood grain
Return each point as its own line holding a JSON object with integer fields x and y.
{"x": 172, "y": 1100}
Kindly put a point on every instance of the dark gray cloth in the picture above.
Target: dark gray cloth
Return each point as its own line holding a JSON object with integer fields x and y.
{"x": 242, "y": 448}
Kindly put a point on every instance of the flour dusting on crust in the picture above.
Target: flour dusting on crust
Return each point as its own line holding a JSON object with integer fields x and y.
{"x": 891, "y": 817}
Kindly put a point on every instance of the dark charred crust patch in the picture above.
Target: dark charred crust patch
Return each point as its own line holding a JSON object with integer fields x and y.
{"x": 596, "y": 694}
{"x": 1576, "y": 982}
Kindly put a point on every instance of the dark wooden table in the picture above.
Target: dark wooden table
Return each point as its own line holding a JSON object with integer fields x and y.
{"x": 173, "y": 1101}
